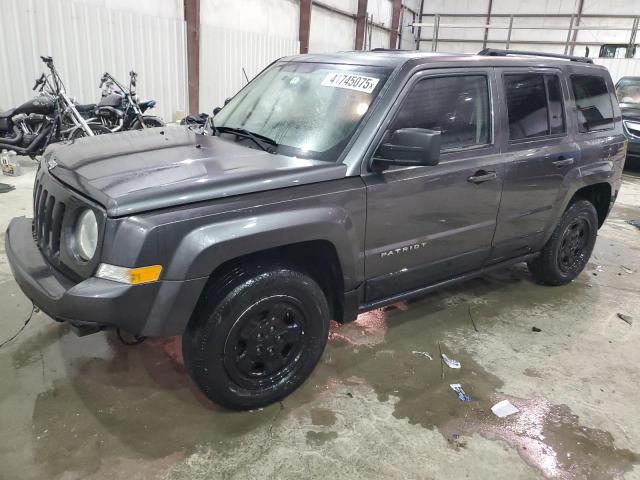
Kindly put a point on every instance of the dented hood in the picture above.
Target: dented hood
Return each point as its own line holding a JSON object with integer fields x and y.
{"x": 142, "y": 170}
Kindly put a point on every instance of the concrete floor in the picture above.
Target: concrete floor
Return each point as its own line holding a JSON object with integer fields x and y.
{"x": 93, "y": 408}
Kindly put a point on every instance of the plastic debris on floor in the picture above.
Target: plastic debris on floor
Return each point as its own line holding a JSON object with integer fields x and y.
{"x": 450, "y": 362}
{"x": 456, "y": 387}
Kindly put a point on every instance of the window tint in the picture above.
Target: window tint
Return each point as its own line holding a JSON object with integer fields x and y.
{"x": 534, "y": 105}
{"x": 526, "y": 106}
{"x": 595, "y": 111}
{"x": 456, "y": 106}
{"x": 556, "y": 115}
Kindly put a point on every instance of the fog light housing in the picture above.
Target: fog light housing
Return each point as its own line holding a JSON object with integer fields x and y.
{"x": 131, "y": 276}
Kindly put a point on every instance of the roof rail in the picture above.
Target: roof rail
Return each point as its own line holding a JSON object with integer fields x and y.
{"x": 495, "y": 52}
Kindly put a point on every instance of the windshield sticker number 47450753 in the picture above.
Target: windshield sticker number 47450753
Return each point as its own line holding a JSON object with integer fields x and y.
{"x": 351, "y": 82}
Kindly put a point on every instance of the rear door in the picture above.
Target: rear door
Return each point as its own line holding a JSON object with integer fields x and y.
{"x": 538, "y": 150}
{"x": 597, "y": 114}
{"x": 429, "y": 223}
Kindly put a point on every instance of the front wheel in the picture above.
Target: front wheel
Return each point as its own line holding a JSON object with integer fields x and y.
{"x": 96, "y": 128}
{"x": 256, "y": 336}
{"x": 568, "y": 250}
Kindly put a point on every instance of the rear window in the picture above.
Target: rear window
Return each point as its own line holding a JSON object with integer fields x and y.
{"x": 593, "y": 101}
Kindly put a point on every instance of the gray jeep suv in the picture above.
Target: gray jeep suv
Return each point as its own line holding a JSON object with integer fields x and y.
{"x": 333, "y": 184}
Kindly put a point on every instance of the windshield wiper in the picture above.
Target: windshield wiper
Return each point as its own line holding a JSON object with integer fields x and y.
{"x": 255, "y": 137}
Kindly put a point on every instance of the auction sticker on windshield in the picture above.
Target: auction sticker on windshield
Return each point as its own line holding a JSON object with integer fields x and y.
{"x": 359, "y": 83}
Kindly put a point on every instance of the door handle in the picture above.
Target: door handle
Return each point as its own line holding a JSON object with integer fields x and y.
{"x": 562, "y": 161}
{"x": 482, "y": 176}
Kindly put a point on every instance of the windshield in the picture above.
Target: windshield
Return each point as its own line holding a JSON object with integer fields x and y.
{"x": 628, "y": 90}
{"x": 310, "y": 110}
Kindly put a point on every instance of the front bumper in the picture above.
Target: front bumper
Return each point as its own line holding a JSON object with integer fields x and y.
{"x": 160, "y": 308}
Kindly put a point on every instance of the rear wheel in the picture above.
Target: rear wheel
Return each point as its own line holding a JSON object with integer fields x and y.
{"x": 256, "y": 336}
{"x": 149, "y": 122}
{"x": 568, "y": 250}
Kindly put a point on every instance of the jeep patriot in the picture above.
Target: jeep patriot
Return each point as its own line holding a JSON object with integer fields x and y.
{"x": 332, "y": 185}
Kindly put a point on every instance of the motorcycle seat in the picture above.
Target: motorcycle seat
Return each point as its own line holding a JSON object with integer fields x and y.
{"x": 85, "y": 107}
{"x": 8, "y": 113}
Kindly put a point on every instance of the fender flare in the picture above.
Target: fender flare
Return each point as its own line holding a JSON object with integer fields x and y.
{"x": 206, "y": 247}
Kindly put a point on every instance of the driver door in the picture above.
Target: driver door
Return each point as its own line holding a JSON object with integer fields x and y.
{"x": 426, "y": 224}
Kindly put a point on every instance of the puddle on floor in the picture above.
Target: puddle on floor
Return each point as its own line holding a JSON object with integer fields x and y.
{"x": 139, "y": 401}
{"x": 546, "y": 436}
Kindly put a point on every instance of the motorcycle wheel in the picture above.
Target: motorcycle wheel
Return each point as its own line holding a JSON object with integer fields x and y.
{"x": 149, "y": 121}
{"x": 96, "y": 128}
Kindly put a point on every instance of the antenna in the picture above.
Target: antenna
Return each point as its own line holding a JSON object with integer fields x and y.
{"x": 245, "y": 75}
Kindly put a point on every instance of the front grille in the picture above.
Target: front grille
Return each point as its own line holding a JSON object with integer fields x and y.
{"x": 48, "y": 215}
{"x": 55, "y": 210}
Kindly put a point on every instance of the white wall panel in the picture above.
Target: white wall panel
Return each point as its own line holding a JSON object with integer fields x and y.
{"x": 223, "y": 55}
{"x": 330, "y": 32}
{"x": 620, "y": 67}
{"x": 269, "y": 17}
{"x": 86, "y": 40}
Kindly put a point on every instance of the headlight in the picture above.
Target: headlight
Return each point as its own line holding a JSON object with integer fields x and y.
{"x": 86, "y": 235}
{"x": 632, "y": 127}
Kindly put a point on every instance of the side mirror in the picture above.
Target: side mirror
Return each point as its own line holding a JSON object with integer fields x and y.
{"x": 409, "y": 147}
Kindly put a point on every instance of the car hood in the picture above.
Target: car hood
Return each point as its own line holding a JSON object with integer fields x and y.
{"x": 630, "y": 111}
{"x": 131, "y": 172}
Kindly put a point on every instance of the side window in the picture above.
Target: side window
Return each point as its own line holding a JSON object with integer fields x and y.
{"x": 556, "y": 114}
{"x": 534, "y": 105}
{"x": 456, "y": 106}
{"x": 593, "y": 101}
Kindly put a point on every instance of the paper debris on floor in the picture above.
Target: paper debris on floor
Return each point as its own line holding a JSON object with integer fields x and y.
{"x": 424, "y": 354}
{"x": 456, "y": 387}
{"x": 450, "y": 362}
{"x": 504, "y": 409}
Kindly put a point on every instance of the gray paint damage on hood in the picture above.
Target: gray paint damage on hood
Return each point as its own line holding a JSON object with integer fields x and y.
{"x": 131, "y": 172}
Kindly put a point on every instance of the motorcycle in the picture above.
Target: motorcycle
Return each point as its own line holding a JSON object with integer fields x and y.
{"x": 119, "y": 108}
{"x": 49, "y": 117}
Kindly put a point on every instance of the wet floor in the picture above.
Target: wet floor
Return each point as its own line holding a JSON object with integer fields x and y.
{"x": 378, "y": 405}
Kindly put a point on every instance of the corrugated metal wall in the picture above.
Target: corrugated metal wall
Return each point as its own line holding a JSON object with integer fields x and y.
{"x": 223, "y": 55}
{"x": 84, "y": 41}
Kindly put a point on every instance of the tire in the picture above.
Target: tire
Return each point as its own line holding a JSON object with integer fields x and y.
{"x": 96, "y": 128}
{"x": 256, "y": 335}
{"x": 149, "y": 121}
{"x": 568, "y": 250}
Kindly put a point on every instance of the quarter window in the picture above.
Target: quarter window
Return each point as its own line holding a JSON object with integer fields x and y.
{"x": 456, "y": 106}
{"x": 534, "y": 105}
{"x": 593, "y": 101}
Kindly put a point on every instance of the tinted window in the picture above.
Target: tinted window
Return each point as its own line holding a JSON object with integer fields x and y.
{"x": 534, "y": 105}
{"x": 595, "y": 111}
{"x": 526, "y": 106}
{"x": 457, "y": 106}
{"x": 556, "y": 115}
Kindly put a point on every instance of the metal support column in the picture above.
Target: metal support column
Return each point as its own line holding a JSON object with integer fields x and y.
{"x": 395, "y": 21}
{"x": 192, "y": 17}
{"x": 305, "y": 25}
{"x": 361, "y": 18}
